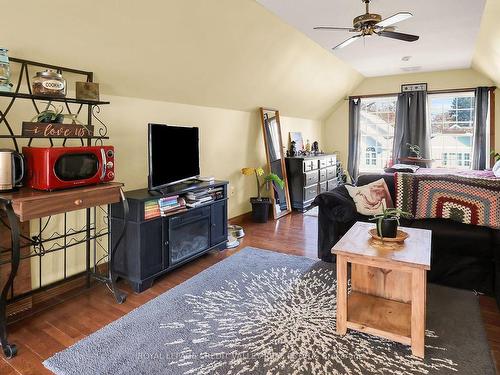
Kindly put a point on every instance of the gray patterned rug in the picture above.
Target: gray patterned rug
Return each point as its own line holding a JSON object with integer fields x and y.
{"x": 261, "y": 312}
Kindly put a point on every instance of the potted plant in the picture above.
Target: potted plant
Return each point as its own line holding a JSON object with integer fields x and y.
{"x": 388, "y": 222}
{"x": 495, "y": 155}
{"x": 414, "y": 150}
{"x": 260, "y": 205}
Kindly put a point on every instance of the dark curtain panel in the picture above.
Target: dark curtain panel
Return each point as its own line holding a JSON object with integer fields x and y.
{"x": 354, "y": 135}
{"x": 411, "y": 125}
{"x": 481, "y": 108}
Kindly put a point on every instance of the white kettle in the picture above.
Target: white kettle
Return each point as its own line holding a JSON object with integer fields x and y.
{"x": 11, "y": 169}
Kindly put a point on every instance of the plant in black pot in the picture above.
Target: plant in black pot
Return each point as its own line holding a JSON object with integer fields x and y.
{"x": 388, "y": 222}
{"x": 260, "y": 205}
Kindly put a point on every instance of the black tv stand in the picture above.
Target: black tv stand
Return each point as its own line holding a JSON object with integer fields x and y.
{"x": 153, "y": 247}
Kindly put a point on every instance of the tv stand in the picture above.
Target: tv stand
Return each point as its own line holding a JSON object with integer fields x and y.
{"x": 151, "y": 248}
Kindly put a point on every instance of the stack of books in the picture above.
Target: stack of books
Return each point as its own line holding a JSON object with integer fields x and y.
{"x": 151, "y": 209}
{"x": 171, "y": 205}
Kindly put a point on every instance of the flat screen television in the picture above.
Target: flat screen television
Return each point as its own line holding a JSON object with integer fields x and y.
{"x": 173, "y": 155}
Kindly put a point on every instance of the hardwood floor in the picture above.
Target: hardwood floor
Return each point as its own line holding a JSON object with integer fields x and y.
{"x": 40, "y": 336}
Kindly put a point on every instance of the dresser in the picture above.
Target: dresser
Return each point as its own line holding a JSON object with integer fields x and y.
{"x": 309, "y": 176}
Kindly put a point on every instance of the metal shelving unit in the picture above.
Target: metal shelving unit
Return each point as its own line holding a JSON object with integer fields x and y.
{"x": 43, "y": 243}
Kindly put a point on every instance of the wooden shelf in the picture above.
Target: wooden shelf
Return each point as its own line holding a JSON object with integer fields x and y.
{"x": 51, "y": 98}
{"x": 379, "y": 316}
{"x": 39, "y": 137}
{"x": 31, "y": 204}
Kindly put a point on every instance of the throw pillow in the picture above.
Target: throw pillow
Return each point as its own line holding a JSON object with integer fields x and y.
{"x": 496, "y": 169}
{"x": 370, "y": 199}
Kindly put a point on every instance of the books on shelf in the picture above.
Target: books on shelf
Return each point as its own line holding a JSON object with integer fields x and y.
{"x": 163, "y": 207}
{"x": 151, "y": 209}
{"x": 174, "y": 204}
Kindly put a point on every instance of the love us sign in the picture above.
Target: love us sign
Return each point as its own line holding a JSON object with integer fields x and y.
{"x": 55, "y": 130}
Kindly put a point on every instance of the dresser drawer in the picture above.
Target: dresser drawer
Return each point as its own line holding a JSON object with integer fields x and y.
{"x": 322, "y": 162}
{"x": 322, "y": 174}
{"x": 331, "y": 161}
{"x": 332, "y": 184}
{"x": 310, "y": 192}
{"x": 323, "y": 187}
{"x": 311, "y": 178}
{"x": 331, "y": 172}
{"x": 309, "y": 165}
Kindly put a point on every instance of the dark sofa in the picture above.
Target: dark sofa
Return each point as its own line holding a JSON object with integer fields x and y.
{"x": 463, "y": 256}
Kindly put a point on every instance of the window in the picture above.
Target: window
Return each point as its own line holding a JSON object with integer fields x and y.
{"x": 452, "y": 124}
{"x": 377, "y": 120}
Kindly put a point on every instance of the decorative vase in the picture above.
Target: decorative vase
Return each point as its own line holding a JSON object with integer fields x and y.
{"x": 388, "y": 228}
{"x": 260, "y": 209}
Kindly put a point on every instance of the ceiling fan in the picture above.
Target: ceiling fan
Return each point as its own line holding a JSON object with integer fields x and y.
{"x": 369, "y": 24}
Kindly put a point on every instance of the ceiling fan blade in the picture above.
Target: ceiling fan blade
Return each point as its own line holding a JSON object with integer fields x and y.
{"x": 333, "y": 28}
{"x": 398, "y": 17}
{"x": 347, "y": 42}
{"x": 399, "y": 36}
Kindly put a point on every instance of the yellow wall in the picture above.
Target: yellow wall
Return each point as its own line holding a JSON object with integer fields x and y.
{"x": 229, "y": 140}
{"x": 336, "y": 126}
{"x": 487, "y": 53}
{"x": 218, "y": 53}
{"x": 205, "y": 63}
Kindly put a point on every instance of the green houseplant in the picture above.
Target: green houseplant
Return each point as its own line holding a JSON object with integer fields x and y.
{"x": 260, "y": 205}
{"x": 496, "y": 155}
{"x": 388, "y": 221}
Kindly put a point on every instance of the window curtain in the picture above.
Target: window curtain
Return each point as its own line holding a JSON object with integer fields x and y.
{"x": 354, "y": 135}
{"x": 481, "y": 108}
{"x": 411, "y": 125}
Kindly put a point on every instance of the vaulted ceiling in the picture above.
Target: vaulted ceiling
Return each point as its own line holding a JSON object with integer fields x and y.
{"x": 218, "y": 53}
{"x": 239, "y": 54}
{"x": 448, "y": 31}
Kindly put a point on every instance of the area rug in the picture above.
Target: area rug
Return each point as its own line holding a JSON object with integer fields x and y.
{"x": 261, "y": 312}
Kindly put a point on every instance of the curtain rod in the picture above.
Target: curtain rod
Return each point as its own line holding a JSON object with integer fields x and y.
{"x": 443, "y": 91}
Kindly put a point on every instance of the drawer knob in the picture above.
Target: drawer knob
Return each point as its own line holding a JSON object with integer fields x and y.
{"x": 78, "y": 202}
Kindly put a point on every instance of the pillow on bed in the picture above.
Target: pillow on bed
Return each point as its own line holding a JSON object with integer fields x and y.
{"x": 496, "y": 169}
{"x": 370, "y": 199}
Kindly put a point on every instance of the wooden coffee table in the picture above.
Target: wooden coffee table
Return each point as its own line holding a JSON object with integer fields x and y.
{"x": 388, "y": 285}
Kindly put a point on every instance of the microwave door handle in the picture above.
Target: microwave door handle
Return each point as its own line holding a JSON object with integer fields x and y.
{"x": 103, "y": 158}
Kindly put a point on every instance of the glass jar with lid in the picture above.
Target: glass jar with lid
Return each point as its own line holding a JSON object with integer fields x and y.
{"x": 50, "y": 83}
{"x": 4, "y": 70}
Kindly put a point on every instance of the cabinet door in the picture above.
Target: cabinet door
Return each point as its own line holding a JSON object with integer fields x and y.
{"x": 218, "y": 229}
{"x": 151, "y": 248}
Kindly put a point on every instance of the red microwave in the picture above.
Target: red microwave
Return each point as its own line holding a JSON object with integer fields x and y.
{"x": 54, "y": 168}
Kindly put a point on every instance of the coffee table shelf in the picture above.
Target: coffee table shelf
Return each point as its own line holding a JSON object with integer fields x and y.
{"x": 379, "y": 316}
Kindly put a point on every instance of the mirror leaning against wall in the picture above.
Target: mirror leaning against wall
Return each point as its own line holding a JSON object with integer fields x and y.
{"x": 271, "y": 127}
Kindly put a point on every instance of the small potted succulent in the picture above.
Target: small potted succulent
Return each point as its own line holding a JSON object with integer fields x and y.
{"x": 388, "y": 221}
{"x": 260, "y": 205}
{"x": 414, "y": 151}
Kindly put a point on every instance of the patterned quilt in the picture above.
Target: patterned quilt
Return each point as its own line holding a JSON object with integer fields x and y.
{"x": 465, "y": 199}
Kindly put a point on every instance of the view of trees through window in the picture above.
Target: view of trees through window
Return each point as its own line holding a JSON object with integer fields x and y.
{"x": 377, "y": 120}
{"x": 452, "y": 123}
{"x": 451, "y": 117}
